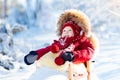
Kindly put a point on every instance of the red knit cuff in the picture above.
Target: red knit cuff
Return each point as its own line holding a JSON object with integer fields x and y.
{"x": 76, "y": 56}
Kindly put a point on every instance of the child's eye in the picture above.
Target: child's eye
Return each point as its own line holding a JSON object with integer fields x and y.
{"x": 64, "y": 30}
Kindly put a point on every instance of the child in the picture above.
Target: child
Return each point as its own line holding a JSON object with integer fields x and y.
{"x": 75, "y": 43}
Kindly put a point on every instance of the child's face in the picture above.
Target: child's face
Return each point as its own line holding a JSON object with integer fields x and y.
{"x": 67, "y": 32}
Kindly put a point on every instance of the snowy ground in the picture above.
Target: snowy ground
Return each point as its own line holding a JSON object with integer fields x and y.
{"x": 107, "y": 65}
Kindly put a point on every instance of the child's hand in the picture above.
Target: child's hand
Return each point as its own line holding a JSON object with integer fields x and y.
{"x": 63, "y": 57}
{"x": 68, "y": 56}
{"x": 30, "y": 58}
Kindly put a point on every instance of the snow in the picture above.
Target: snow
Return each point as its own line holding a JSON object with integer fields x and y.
{"x": 40, "y": 31}
{"x": 49, "y": 74}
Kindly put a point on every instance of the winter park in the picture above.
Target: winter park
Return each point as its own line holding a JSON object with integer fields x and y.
{"x": 31, "y": 28}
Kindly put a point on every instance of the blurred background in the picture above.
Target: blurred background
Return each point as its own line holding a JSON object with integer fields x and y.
{"x": 28, "y": 24}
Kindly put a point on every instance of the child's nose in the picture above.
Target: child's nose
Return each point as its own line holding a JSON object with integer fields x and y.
{"x": 67, "y": 31}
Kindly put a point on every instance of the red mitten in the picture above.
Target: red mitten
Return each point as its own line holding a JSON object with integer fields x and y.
{"x": 59, "y": 61}
{"x": 54, "y": 48}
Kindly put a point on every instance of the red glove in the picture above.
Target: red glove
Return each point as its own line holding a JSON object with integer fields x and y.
{"x": 63, "y": 57}
{"x": 59, "y": 60}
{"x": 55, "y": 47}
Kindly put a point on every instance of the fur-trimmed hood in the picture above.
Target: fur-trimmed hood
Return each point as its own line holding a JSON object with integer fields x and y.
{"x": 77, "y": 17}
{"x": 81, "y": 20}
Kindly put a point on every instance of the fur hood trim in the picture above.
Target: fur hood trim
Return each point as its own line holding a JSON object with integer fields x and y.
{"x": 77, "y": 17}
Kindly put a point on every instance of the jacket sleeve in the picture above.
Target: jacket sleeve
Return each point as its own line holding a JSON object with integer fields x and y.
{"x": 85, "y": 52}
{"x": 42, "y": 51}
{"x": 54, "y": 47}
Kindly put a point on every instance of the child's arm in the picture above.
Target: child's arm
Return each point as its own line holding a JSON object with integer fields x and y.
{"x": 85, "y": 53}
